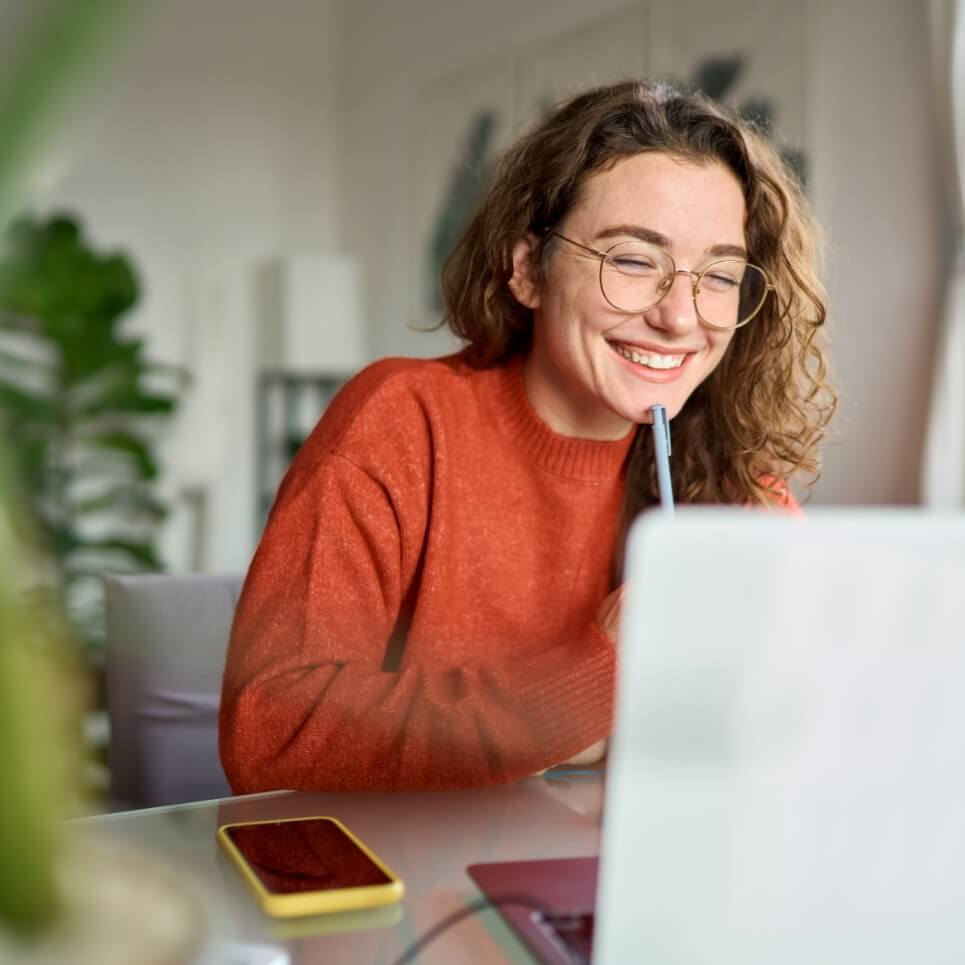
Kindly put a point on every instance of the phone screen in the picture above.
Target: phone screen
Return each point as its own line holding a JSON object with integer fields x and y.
{"x": 309, "y": 855}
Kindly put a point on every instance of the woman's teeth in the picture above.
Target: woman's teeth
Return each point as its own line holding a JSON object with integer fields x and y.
{"x": 649, "y": 359}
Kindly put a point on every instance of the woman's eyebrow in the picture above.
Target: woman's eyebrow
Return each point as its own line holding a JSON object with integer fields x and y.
{"x": 634, "y": 231}
{"x": 655, "y": 238}
{"x": 724, "y": 251}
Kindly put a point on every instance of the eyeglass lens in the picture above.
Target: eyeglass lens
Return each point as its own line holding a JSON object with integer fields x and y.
{"x": 635, "y": 276}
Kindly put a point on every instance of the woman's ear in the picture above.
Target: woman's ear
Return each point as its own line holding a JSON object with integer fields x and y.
{"x": 524, "y": 283}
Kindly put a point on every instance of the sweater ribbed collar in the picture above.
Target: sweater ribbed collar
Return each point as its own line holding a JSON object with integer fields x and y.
{"x": 583, "y": 459}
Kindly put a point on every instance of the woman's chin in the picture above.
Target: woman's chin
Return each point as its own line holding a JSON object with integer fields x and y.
{"x": 639, "y": 411}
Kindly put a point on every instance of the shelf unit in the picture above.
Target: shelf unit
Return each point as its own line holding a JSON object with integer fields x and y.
{"x": 288, "y": 404}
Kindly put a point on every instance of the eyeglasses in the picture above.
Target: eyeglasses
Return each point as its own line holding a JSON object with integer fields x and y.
{"x": 635, "y": 276}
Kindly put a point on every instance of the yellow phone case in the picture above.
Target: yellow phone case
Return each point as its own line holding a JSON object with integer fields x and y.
{"x": 313, "y": 902}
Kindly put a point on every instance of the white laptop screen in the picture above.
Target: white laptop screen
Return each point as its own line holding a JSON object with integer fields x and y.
{"x": 787, "y": 776}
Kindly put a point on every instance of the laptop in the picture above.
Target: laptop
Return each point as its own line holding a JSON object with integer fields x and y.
{"x": 786, "y": 780}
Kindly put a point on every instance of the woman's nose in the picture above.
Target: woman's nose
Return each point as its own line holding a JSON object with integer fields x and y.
{"x": 676, "y": 311}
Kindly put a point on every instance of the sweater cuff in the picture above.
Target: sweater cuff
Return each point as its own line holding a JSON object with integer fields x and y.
{"x": 572, "y": 707}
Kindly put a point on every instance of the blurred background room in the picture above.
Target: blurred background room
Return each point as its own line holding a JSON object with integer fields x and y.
{"x": 215, "y": 211}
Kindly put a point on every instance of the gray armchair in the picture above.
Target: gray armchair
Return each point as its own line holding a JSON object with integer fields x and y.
{"x": 166, "y": 642}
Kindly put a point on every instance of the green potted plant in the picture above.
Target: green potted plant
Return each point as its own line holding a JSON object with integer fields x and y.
{"x": 79, "y": 403}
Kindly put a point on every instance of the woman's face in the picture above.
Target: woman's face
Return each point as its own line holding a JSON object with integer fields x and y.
{"x": 578, "y": 377}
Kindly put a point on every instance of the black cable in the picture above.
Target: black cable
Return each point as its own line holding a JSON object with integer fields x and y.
{"x": 474, "y": 908}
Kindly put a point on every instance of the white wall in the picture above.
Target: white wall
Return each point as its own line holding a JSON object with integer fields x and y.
{"x": 877, "y": 192}
{"x": 205, "y": 147}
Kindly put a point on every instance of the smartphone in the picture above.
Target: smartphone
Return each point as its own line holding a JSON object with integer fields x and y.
{"x": 308, "y": 866}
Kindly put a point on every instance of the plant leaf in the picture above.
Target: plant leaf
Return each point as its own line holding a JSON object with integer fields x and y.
{"x": 128, "y": 444}
{"x": 127, "y": 397}
{"x": 26, "y": 406}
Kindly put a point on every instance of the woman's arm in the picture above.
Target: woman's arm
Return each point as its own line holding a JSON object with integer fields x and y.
{"x": 306, "y": 702}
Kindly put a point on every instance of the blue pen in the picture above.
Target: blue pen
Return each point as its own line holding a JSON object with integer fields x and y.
{"x": 662, "y": 450}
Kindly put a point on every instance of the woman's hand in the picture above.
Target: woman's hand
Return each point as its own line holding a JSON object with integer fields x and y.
{"x": 608, "y": 616}
{"x": 592, "y": 755}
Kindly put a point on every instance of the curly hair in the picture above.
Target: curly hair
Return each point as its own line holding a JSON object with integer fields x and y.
{"x": 759, "y": 418}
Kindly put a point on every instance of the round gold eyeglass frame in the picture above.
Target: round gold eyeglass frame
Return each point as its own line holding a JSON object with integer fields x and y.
{"x": 694, "y": 276}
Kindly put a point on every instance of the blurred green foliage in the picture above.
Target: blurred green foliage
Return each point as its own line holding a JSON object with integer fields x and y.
{"x": 78, "y": 400}
{"x": 57, "y": 41}
{"x": 41, "y": 687}
{"x": 28, "y": 898}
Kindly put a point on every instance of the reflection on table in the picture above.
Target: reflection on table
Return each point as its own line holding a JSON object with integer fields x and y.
{"x": 427, "y": 838}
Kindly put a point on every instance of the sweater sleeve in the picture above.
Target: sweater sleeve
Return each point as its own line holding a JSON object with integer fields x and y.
{"x": 306, "y": 701}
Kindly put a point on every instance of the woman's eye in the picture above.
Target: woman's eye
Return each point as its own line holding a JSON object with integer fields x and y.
{"x": 626, "y": 263}
{"x": 722, "y": 282}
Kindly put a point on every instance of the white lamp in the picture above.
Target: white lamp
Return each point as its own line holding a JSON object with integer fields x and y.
{"x": 312, "y": 317}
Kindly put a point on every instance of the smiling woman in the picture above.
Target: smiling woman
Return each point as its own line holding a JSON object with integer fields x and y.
{"x": 647, "y": 168}
{"x": 435, "y": 599}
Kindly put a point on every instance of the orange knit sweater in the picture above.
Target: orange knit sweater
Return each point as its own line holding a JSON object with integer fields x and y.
{"x": 420, "y": 611}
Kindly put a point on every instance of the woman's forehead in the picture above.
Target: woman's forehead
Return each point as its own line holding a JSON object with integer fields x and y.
{"x": 682, "y": 200}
